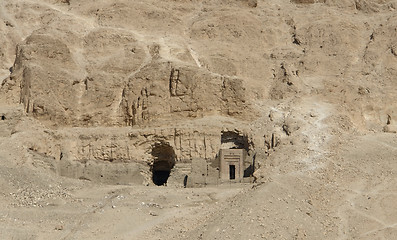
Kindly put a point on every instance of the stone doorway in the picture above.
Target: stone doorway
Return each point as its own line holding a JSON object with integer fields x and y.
{"x": 232, "y": 164}
{"x": 232, "y": 172}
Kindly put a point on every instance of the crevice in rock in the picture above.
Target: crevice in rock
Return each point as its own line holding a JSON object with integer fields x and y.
{"x": 174, "y": 81}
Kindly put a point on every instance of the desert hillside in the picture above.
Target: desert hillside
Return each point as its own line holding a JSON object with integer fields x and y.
{"x": 117, "y": 119}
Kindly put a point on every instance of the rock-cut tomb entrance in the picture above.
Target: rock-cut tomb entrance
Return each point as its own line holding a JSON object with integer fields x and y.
{"x": 164, "y": 160}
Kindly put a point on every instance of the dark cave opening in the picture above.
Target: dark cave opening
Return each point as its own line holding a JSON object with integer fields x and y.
{"x": 164, "y": 160}
{"x": 234, "y": 140}
{"x": 160, "y": 177}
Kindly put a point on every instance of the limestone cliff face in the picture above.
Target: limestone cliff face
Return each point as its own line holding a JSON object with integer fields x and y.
{"x": 190, "y": 70}
{"x": 126, "y": 145}
{"x": 54, "y": 87}
{"x": 128, "y": 64}
{"x": 176, "y": 93}
{"x": 124, "y": 155}
{"x": 58, "y": 89}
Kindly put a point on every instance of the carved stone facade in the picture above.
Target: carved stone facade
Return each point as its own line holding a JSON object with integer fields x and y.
{"x": 232, "y": 164}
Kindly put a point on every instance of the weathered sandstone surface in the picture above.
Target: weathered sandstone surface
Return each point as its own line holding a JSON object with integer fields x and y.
{"x": 95, "y": 93}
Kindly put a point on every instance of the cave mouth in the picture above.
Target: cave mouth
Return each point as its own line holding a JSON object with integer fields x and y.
{"x": 164, "y": 160}
{"x": 160, "y": 177}
{"x": 234, "y": 140}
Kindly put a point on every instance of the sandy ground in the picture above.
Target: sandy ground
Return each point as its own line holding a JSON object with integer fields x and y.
{"x": 352, "y": 196}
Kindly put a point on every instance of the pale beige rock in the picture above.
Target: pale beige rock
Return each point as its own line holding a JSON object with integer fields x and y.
{"x": 96, "y": 96}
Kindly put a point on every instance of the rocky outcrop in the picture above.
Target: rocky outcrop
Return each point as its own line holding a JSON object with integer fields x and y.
{"x": 176, "y": 93}
{"x": 160, "y": 78}
{"x": 54, "y": 87}
{"x": 123, "y": 155}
